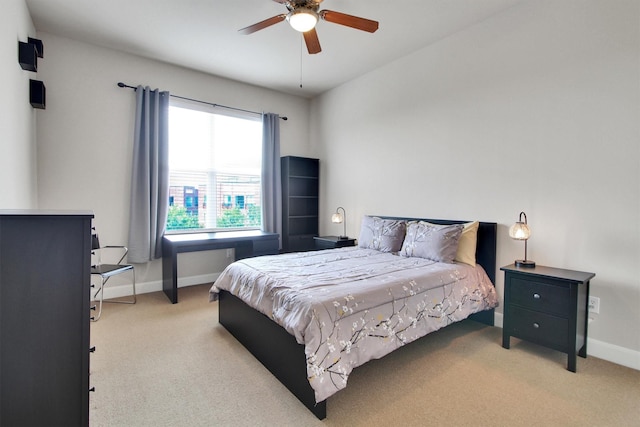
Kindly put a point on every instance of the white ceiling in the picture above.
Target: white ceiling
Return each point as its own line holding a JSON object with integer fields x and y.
{"x": 203, "y": 35}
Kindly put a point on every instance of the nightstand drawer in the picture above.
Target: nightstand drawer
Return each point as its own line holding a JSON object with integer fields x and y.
{"x": 553, "y": 299}
{"x": 540, "y": 328}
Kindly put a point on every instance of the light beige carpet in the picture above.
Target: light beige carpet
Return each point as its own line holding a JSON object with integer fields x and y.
{"x": 162, "y": 364}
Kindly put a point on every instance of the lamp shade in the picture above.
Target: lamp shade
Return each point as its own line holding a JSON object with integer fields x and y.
{"x": 303, "y": 19}
{"x": 519, "y": 231}
{"x": 337, "y": 218}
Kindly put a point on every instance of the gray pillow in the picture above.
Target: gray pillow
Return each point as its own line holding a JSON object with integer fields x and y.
{"x": 384, "y": 235}
{"x": 431, "y": 241}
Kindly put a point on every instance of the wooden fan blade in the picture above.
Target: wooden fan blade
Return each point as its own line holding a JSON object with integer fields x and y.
{"x": 312, "y": 41}
{"x": 349, "y": 20}
{"x": 263, "y": 24}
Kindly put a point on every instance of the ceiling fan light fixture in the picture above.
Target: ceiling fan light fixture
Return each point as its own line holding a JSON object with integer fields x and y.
{"x": 302, "y": 19}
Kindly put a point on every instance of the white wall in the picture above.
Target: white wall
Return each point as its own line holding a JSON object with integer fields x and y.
{"x": 85, "y": 136}
{"x": 17, "y": 117}
{"x": 535, "y": 110}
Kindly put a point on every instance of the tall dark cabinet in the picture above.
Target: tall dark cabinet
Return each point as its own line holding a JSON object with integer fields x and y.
{"x": 300, "y": 188}
{"x": 44, "y": 318}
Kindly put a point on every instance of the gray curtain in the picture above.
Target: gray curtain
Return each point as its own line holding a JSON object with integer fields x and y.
{"x": 271, "y": 188}
{"x": 150, "y": 176}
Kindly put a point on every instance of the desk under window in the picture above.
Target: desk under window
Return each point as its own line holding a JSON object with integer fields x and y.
{"x": 247, "y": 243}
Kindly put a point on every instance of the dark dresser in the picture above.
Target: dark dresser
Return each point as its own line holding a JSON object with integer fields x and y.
{"x": 45, "y": 259}
{"x": 547, "y": 306}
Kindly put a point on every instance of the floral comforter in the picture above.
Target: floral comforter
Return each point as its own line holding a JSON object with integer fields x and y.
{"x": 350, "y": 305}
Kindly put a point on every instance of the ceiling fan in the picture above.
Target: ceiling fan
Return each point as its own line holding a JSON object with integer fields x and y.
{"x": 303, "y": 16}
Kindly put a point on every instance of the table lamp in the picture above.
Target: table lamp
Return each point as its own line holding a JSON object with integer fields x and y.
{"x": 338, "y": 218}
{"x": 520, "y": 231}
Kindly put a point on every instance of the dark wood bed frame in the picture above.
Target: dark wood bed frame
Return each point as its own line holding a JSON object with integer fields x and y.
{"x": 279, "y": 351}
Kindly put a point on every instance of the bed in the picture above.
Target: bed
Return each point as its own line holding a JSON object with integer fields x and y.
{"x": 312, "y": 317}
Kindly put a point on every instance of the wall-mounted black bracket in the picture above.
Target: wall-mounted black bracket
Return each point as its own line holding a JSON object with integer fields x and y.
{"x": 28, "y": 56}
{"x": 37, "y": 94}
{"x": 38, "y": 44}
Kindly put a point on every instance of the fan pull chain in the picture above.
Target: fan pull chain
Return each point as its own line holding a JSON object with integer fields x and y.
{"x": 301, "y": 55}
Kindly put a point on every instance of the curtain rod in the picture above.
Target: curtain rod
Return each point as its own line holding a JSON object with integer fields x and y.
{"x": 120, "y": 84}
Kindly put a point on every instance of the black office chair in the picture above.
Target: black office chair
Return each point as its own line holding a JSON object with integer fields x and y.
{"x": 106, "y": 271}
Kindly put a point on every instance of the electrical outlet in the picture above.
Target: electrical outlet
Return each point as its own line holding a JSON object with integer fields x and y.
{"x": 229, "y": 253}
{"x": 594, "y": 305}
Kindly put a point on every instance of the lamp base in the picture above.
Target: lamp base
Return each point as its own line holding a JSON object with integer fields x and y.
{"x": 343, "y": 237}
{"x": 525, "y": 263}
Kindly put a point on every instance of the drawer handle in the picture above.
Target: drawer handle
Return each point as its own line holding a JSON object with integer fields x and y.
{"x": 536, "y": 325}
{"x": 536, "y": 296}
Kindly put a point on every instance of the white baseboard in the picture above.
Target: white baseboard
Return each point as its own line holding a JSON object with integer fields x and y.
{"x": 497, "y": 319}
{"x": 600, "y": 349}
{"x": 613, "y": 353}
{"x": 119, "y": 291}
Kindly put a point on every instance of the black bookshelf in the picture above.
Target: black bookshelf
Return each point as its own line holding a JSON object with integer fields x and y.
{"x": 300, "y": 188}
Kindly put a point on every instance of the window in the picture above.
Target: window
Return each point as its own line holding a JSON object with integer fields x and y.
{"x": 215, "y": 162}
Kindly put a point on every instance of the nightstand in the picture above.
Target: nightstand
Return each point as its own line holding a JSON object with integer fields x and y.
{"x": 331, "y": 242}
{"x": 547, "y": 306}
